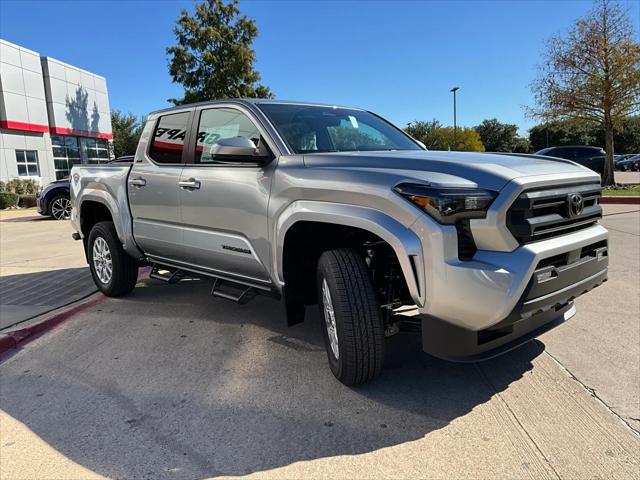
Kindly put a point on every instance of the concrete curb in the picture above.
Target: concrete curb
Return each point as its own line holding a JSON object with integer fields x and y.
{"x": 23, "y": 335}
{"x": 620, "y": 200}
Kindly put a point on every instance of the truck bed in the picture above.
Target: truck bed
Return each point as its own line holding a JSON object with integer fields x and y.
{"x": 105, "y": 184}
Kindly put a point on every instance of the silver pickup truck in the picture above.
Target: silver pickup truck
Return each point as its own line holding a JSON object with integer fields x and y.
{"x": 317, "y": 204}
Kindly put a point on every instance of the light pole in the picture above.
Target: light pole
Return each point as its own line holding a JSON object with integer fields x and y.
{"x": 455, "y": 124}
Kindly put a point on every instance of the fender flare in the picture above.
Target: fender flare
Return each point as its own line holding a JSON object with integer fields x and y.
{"x": 123, "y": 225}
{"x": 404, "y": 242}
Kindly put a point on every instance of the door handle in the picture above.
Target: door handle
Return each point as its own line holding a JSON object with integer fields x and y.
{"x": 192, "y": 183}
{"x": 138, "y": 182}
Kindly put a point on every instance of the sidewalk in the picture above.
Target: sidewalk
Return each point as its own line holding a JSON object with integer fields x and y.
{"x": 41, "y": 267}
{"x": 627, "y": 178}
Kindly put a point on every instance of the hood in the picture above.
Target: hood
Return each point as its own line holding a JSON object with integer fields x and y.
{"x": 459, "y": 169}
{"x": 57, "y": 183}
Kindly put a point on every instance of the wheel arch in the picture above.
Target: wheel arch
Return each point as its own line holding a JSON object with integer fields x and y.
{"x": 98, "y": 205}
{"x": 336, "y": 218}
{"x": 53, "y": 194}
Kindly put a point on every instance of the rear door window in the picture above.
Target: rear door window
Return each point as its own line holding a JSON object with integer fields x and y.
{"x": 168, "y": 138}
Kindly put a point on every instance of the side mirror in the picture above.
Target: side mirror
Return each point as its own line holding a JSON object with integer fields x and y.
{"x": 236, "y": 146}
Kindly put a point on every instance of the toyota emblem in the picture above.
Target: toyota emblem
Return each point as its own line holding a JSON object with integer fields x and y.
{"x": 575, "y": 205}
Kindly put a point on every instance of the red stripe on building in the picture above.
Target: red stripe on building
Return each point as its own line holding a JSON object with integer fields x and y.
{"x": 29, "y": 127}
{"x": 80, "y": 133}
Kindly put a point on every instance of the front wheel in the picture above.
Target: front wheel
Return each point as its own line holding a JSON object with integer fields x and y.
{"x": 114, "y": 272}
{"x": 352, "y": 324}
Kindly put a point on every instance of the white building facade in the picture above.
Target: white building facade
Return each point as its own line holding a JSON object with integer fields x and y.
{"x": 52, "y": 116}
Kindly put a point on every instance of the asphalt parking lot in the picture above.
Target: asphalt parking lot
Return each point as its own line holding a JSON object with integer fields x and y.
{"x": 172, "y": 383}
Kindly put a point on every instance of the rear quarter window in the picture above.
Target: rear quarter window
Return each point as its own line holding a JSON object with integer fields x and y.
{"x": 168, "y": 138}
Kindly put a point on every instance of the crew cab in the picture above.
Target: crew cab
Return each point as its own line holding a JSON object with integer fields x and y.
{"x": 318, "y": 204}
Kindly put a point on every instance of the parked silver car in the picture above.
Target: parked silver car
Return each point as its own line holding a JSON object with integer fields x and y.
{"x": 318, "y": 204}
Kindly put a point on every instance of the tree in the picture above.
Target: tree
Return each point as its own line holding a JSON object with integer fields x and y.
{"x": 126, "y": 132}
{"x": 521, "y": 145}
{"x": 578, "y": 132}
{"x": 423, "y": 131}
{"x": 437, "y": 137}
{"x": 563, "y": 132}
{"x": 496, "y": 136}
{"x": 627, "y": 135}
{"x": 592, "y": 74}
{"x": 466, "y": 139}
{"x": 213, "y": 57}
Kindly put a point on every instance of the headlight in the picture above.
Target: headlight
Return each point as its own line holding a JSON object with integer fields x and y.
{"x": 448, "y": 205}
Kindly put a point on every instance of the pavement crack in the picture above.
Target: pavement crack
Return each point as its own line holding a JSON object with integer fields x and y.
{"x": 622, "y": 231}
{"x": 517, "y": 420}
{"x": 621, "y": 213}
{"x": 592, "y": 392}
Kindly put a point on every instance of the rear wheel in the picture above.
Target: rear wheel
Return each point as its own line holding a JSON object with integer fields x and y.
{"x": 114, "y": 272}
{"x": 351, "y": 318}
{"x": 60, "y": 207}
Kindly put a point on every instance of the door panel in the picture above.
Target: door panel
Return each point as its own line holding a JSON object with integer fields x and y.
{"x": 155, "y": 209}
{"x": 153, "y": 188}
{"x": 225, "y": 219}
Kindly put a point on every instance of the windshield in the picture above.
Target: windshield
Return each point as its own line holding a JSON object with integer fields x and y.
{"x": 317, "y": 129}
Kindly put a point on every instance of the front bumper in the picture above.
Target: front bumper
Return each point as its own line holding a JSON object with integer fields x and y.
{"x": 546, "y": 302}
{"x": 479, "y": 293}
{"x": 456, "y": 344}
{"x": 40, "y": 204}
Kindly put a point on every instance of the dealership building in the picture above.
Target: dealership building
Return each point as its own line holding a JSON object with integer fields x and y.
{"x": 52, "y": 116}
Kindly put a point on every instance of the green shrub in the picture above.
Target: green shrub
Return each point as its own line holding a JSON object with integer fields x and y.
{"x": 27, "y": 201}
{"x": 8, "y": 199}
{"x": 22, "y": 186}
{"x": 2, "y": 187}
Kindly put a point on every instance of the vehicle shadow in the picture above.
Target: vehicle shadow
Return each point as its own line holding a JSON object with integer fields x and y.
{"x": 31, "y": 218}
{"x": 171, "y": 382}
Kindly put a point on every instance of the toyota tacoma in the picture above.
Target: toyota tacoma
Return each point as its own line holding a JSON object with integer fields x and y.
{"x": 334, "y": 206}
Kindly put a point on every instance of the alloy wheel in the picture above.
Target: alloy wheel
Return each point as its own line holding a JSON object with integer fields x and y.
{"x": 102, "y": 261}
{"x": 330, "y": 319}
{"x": 61, "y": 208}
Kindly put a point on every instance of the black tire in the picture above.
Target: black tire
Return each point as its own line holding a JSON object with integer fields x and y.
{"x": 124, "y": 271}
{"x": 358, "y": 318}
{"x": 53, "y": 205}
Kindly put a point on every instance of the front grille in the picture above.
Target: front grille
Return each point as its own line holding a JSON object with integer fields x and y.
{"x": 545, "y": 213}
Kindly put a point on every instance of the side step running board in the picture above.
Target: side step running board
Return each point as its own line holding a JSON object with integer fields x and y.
{"x": 235, "y": 292}
{"x": 167, "y": 274}
{"x": 222, "y": 288}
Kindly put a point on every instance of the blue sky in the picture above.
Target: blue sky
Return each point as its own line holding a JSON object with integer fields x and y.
{"x": 399, "y": 59}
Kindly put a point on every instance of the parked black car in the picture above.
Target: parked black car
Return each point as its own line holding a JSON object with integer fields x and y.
{"x": 53, "y": 200}
{"x": 629, "y": 163}
{"x": 590, "y": 157}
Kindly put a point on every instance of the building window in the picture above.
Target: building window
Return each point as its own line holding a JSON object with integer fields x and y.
{"x": 96, "y": 149}
{"x": 27, "y": 161}
{"x": 66, "y": 154}
{"x": 69, "y": 151}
